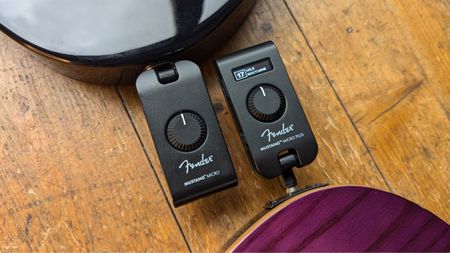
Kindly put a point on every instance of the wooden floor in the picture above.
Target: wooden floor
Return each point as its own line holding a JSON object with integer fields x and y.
{"x": 78, "y": 169}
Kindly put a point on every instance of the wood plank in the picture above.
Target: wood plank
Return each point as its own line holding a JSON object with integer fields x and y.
{"x": 73, "y": 175}
{"x": 343, "y": 159}
{"x": 389, "y": 62}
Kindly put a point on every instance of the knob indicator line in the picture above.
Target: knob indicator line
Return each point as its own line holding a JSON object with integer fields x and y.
{"x": 262, "y": 89}
{"x": 184, "y": 120}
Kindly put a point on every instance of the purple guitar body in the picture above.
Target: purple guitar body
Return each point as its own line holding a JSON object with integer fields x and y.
{"x": 347, "y": 219}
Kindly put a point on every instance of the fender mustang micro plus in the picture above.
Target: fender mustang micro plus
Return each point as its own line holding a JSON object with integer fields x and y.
{"x": 184, "y": 127}
{"x": 267, "y": 112}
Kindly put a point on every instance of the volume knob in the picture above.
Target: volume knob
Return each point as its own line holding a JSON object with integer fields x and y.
{"x": 266, "y": 103}
{"x": 186, "y": 131}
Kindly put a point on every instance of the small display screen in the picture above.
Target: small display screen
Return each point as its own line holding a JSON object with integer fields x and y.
{"x": 252, "y": 69}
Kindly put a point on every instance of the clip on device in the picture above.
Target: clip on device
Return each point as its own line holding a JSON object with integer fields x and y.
{"x": 184, "y": 127}
{"x": 268, "y": 114}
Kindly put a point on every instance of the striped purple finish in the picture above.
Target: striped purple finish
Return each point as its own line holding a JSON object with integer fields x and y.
{"x": 351, "y": 219}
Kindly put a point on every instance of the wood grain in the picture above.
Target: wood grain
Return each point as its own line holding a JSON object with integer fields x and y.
{"x": 373, "y": 80}
{"x": 389, "y": 62}
{"x": 210, "y": 222}
{"x": 346, "y": 219}
{"x": 73, "y": 176}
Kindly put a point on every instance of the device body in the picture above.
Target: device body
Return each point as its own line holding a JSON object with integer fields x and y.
{"x": 185, "y": 131}
{"x": 266, "y": 110}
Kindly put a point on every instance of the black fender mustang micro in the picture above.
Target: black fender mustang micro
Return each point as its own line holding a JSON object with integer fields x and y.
{"x": 188, "y": 140}
{"x": 267, "y": 112}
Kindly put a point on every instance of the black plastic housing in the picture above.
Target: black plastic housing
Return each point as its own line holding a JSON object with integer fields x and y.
{"x": 161, "y": 100}
{"x": 295, "y": 135}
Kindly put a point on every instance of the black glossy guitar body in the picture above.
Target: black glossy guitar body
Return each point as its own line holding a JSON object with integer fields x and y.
{"x": 103, "y": 41}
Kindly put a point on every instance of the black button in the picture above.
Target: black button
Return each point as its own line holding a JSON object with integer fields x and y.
{"x": 186, "y": 131}
{"x": 266, "y": 103}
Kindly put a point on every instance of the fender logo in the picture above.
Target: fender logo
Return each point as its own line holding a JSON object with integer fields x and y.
{"x": 188, "y": 166}
{"x": 284, "y": 130}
